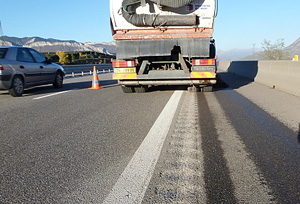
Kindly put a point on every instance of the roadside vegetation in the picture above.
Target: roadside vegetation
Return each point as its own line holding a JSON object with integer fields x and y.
{"x": 275, "y": 51}
{"x": 83, "y": 57}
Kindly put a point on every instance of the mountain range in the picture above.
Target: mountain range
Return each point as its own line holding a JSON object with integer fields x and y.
{"x": 248, "y": 54}
{"x": 53, "y": 45}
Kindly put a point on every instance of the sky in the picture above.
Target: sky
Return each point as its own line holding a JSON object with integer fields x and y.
{"x": 239, "y": 25}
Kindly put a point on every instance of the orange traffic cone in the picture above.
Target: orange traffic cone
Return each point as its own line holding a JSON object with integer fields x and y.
{"x": 95, "y": 83}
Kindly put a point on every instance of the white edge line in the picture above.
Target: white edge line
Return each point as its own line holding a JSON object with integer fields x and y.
{"x": 54, "y": 94}
{"x": 133, "y": 182}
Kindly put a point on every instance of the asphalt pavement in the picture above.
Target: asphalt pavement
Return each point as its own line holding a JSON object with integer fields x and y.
{"x": 71, "y": 147}
{"x": 239, "y": 144}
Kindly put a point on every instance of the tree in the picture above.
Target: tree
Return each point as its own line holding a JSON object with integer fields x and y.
{"x": 80, "y": 55}
{"x": 275, "y": 51}
{"x": 63, "y": 57}
{"x": 48, "y": 56}
{"x": 73, "y": 58}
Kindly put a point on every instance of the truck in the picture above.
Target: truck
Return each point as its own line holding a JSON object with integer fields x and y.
{"x": 164, "y": 42}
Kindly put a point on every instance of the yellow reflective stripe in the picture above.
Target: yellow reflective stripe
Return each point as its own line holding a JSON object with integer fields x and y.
{"x": 124, "y": 76}
{"x": 201, "y": 75}
{"x": 196, "y": 74}
{"x": 210, "y": 74}
{"x": 131, "y": 76}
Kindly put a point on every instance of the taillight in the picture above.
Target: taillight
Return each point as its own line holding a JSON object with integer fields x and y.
{"x": 123, "y": 63}
{"x": 199, "y": 62}
{"x": 1, "y": 67}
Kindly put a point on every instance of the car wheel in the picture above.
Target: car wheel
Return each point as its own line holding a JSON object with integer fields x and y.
{"x": 17, "y": 87}
{"x": 58, "y": 82}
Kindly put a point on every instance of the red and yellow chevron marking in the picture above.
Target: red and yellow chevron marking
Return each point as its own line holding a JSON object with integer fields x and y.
{"x": 203, "y": 75}
{"x": 124, "y": 76}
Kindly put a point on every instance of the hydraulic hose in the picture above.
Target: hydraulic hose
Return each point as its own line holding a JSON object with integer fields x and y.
{"x": 145, "y": 20}
{"x": 172, "y": 3}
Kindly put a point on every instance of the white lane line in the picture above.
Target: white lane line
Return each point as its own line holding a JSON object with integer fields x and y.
{"x": 133, "y": 182}
{"x": 248, "y": 182}
{"x": 62, "y": 92}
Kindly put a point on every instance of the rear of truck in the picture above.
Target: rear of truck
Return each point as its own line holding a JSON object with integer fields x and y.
{"x": 164, "y": 42}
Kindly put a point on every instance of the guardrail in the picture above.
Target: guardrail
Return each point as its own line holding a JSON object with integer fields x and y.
{"x": 282, "y": 75}
{"x": 83, "y": 69}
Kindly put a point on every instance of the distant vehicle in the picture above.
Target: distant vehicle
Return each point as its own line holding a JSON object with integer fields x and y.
{"x": 22, "y": 67}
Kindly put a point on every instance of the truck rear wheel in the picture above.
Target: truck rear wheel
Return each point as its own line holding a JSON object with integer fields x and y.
{"x": 141, "y": 89}
{"x": 207, "y": 89}
{"x": 127, "y": 89}
{"x": 193, "y": 89}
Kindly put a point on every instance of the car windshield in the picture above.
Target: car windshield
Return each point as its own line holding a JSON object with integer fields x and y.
{"x": 2, "y": 52}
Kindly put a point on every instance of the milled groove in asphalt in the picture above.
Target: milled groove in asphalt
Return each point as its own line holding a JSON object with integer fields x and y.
{"x": 250, "y": 187}
{"x": 178, "y": 177}
{"x": 133, "y": 183}
{"x": 219, "y": 187}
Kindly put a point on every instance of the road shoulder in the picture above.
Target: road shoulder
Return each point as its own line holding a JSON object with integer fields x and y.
{"x": 283, "y": 106}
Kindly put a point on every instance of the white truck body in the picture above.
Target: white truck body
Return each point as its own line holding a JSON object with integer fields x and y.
{"x": 204, "y": 9}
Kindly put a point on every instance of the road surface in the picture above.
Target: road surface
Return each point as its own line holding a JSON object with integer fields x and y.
{"x": 239, "y": 144}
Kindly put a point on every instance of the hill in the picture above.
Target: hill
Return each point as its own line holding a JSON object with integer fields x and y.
{"x": 294, "y": 48}
{"x": 247, "y": 54}
{"x": 53, "y": 45}
{"x": 234, "y": 54}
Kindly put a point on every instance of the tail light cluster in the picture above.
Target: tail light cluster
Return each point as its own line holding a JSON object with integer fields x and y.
{"x": 123, "y": 63}
{"x": 1, "y": 67}
{"x": 201, "y": 62}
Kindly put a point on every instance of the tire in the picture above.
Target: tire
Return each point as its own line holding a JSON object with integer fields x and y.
{"x": 193, "y": 89}
{"x": 207, "y": 89}
{"x": 127, "y": 89}
{"x": 141, "y": 89}
{"x": 58, "y": 81}
{"x": 17, "y": 88}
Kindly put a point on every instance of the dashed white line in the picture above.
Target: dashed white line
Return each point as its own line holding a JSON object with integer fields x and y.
{"x": 54, "y": 94}
{"x": 133, "y": 183}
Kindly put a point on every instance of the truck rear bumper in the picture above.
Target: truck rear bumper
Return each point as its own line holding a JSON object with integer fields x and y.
{"x": 167, "y": 82}
{"x": 176, "y": 77}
